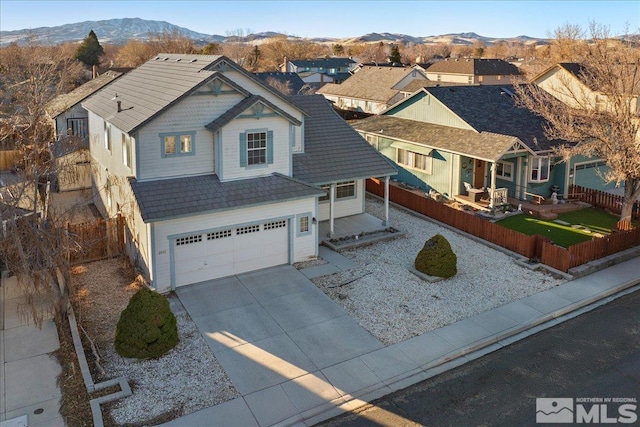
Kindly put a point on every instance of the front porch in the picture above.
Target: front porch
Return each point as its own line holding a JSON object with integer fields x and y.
{"x": 544, "y": 210}
{"x": 355, "y": 230}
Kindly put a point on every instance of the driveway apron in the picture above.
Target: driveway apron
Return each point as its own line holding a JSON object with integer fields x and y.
{"x": 274, "y": 327}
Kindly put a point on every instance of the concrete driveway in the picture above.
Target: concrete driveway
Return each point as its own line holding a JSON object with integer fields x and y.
{"x": 273, "y": 326}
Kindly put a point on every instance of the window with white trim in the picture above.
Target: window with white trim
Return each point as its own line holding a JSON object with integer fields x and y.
{"x": 256, "y": 148}
{"x": 504, "y": 170}
{"x": 304, "y": 225}
{"x": 107, "y": 136}
{"x": 539, "y": 168}
{"x": 414, "y": 160}
{"x": 345, "y": 189}
{"x": 177, "y": 144}
{"x": 78, "y": 127}
{"x": 126, "y": 150}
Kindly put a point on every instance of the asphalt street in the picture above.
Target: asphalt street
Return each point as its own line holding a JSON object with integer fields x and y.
{"x": 590, "y": 358}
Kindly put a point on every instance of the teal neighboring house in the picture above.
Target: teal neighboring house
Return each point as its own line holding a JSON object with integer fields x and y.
{"x": 459, "y": 140}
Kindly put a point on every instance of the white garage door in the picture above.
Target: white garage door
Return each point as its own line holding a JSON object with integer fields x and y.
{"x": 221, "y": 253}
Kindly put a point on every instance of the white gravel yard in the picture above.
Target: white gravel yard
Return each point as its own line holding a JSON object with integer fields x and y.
{"x": 394, "y": 305}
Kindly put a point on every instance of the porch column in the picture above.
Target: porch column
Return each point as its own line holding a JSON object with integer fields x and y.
{"x": 519, "y": 179}
{"x": 332, "y": 199}
{"x": 493, "y": 185}
{"x": 386, "y": 201}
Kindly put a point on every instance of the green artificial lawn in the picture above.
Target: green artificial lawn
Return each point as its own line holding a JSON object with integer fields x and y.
{"x": 594, "y": 220}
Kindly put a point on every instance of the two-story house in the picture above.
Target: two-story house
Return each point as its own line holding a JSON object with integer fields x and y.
{"x": 474, "y": 71}
{"x": 216, "y": 172}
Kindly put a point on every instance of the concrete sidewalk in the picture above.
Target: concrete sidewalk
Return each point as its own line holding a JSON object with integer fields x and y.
{"x": 29, "y": 395}
{"x": 345, "y": 386}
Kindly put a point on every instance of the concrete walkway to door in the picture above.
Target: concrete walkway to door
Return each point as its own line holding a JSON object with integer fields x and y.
{"x": 279, "y": 339}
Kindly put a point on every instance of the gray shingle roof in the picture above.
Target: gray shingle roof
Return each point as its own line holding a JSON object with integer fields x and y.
{"x": 243, "y": 106}
{"x": 477, "y": 67}
{"x": 492, "y": 109}
{"x": 484, "y": 145}
{"x": 150, "y": 88}
{"x": 333, "y": 150}
{"x": 63, "y": 102}
{"x": 370, "y": 83}
{"x": 192, "y": 195}
{"x": 418, "y": 84}
{"x": 323, "y": 62}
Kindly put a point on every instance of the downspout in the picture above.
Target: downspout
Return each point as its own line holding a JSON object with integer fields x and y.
{"x": 386, "y": 201}
{"x": 332, "y": 200}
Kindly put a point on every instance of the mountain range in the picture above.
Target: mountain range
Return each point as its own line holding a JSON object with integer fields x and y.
{"x": 119, "y": 31}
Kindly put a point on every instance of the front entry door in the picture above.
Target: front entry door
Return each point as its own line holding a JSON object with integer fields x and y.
{"x": 479, "y": 168}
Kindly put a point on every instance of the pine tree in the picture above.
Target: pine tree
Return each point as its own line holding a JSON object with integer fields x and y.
{"x": 394, "y": 57}
{"x": 90, "y": 51}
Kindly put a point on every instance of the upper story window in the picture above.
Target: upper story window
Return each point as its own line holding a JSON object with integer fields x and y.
{"x": 177, "y": 144}
{"x": 256, "y": 148}
{"x": 414, "y": 160}
{"x": 78, "y": 127}
{"x": 126, "y": 150}
{"x": 107, "y": 136}
{"x": 504, "y": 170}
{"x": 539, "y": 168}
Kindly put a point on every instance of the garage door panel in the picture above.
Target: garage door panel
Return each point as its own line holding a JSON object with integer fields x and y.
{"x": 231, "y": 251}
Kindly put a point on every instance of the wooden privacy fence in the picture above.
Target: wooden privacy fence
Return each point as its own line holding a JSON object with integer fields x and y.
{"x": 96, "y": 240}
{"x": 501, "y": 236}
{"x": 535, "y": 246}
{"x": 600, "y": 199}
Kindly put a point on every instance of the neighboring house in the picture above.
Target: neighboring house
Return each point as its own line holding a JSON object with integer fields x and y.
{"x": 444, "y": 137}
{"x": 66, "y": 112}
{"x": 372, "y": 89}
{"x": 287, "y": 83}
{"x": 474, "y": 72}
{"x": 217, "y": 173}
{"x": 70, "y": 122}
{"x": 321, "y": 70}
{"x": 567, "y": 82}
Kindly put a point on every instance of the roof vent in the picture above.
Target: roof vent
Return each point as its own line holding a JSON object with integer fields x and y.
{"x": 166, "y": 58}
{"x": 178, "y": 59}
{"x": 193, "y": 60}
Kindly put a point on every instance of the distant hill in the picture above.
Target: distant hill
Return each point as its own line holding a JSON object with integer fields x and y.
{"x": 119, "y": 31}
{"x": 116, "y": 31}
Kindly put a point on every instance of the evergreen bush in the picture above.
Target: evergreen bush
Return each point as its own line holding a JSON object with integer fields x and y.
{"x": 436, "y": 258}
{"x": 147, "y": 328}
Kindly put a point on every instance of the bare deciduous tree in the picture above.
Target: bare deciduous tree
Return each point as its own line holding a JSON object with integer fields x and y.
{"x": 598, "y": 117}
{"x": 33, "y": 250}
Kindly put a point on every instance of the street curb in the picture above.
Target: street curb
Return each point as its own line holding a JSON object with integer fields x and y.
{"x": 356, "y": 401}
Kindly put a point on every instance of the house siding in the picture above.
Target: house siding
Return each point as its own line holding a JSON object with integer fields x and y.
{"x": 425, "y": 108}
{"x": 189, "y": 115}
{"x": 303, "y": 247}
{"x": 76, "y": 112}
{"x": 344, "y": 207}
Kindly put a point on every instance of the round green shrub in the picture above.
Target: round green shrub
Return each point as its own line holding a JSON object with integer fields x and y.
{"x": 436, "y": 258}
{"x": 147, "y": 328}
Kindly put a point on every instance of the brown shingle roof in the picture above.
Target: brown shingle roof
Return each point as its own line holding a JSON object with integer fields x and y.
{"x": 370, "y": 83}
{"x": 63, "y": 102}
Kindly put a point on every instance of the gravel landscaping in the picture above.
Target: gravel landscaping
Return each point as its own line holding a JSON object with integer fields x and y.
{"x": 394, "y": 305}
{"x": 381, "y": 294}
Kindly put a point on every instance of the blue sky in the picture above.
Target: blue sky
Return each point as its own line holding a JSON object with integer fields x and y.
{"x": 333, "y": 18}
